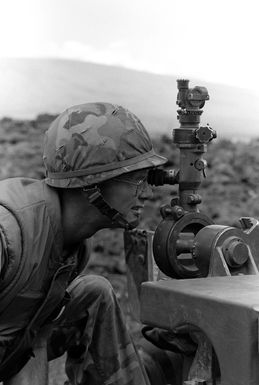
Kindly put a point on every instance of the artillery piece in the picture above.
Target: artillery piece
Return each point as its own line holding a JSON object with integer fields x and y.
{"x": 193, "y": 272}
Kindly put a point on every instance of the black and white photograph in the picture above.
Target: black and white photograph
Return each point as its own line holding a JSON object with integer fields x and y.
{"x": 129, "y": 192}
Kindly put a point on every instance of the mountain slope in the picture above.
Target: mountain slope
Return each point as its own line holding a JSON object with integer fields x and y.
{"x": 33, "y": 86}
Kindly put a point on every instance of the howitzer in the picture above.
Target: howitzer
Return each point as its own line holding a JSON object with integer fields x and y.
{"x": 194, "y": 273}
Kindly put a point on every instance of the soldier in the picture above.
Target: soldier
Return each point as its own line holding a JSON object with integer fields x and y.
{"x": 97, "y": 157}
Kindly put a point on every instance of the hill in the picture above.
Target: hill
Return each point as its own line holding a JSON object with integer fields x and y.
{"x": 33, "y": 86}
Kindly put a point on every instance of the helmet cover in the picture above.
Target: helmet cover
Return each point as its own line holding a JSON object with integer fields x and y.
{"x": 93, "y": 142}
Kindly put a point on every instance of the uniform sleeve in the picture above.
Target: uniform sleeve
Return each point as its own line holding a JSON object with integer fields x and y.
{"x": 10, "y": 242}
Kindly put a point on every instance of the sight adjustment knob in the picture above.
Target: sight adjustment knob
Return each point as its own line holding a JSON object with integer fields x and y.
{"x": 205, "y": 134}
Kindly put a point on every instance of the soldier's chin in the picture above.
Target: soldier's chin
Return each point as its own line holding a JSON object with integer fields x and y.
{"x": 130, "y": 225}
{"x": 133, "y": 224}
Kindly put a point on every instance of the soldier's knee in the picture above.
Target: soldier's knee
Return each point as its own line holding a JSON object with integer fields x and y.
{"x": 97, "y": 288}
{"x": 102, "y": 287}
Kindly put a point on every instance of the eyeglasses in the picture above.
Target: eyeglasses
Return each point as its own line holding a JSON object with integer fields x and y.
{"x": 140, "y": 184}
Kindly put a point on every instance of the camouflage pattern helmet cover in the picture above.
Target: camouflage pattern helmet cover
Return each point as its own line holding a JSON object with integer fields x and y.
{"x": 93, "y": 142}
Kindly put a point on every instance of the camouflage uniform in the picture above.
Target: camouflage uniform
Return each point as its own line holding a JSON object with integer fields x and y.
{"x": 84, "y": 146}
{"x": 93, "y": 332}
{"x": 91, "y": 328}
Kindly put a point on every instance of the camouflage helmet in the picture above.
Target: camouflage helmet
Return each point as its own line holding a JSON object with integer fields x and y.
{"x": 93, "y": 142}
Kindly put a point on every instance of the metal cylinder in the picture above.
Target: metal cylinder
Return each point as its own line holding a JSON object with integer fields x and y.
{"x": 236, "y": 252}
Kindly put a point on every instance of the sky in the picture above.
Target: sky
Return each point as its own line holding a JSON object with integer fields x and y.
{"x": 213, "y": 40}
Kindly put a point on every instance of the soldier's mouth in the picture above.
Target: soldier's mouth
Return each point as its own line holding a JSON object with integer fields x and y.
{"x": 137, "y": 210}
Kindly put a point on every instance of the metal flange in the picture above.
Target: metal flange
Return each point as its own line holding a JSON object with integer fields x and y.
{"x": 173, "y": 244}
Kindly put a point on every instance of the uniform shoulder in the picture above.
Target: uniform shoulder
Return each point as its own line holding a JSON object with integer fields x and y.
{"x": 10, "y": 239}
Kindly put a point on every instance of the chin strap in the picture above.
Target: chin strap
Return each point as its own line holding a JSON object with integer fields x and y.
{"x": 95, "y": 198}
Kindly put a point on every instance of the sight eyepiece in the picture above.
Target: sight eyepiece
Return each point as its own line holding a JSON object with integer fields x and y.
{"x": 158, "y": 177}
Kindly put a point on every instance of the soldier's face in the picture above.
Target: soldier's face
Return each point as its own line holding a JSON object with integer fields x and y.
{"x": 128, "y": 193}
